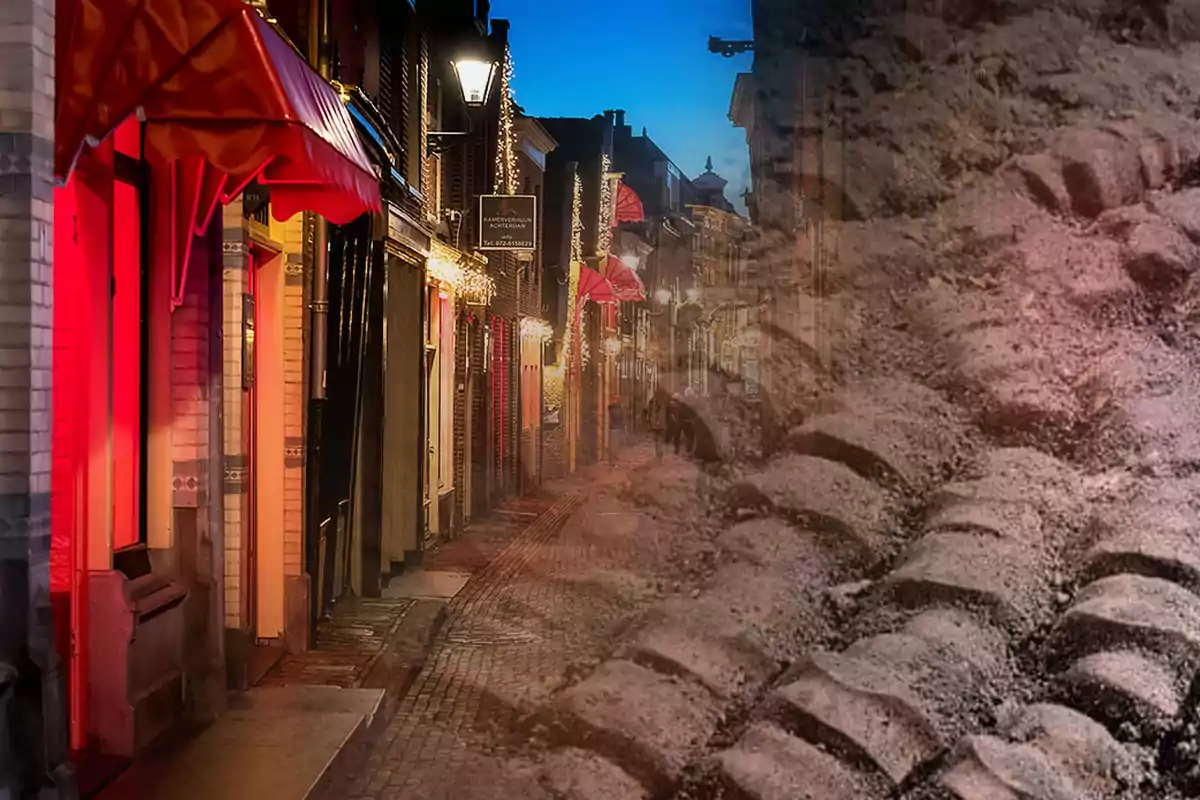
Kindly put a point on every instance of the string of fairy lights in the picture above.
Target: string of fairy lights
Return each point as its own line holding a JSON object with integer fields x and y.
{"x": 577, "y": 220}
{"x": 506, "y": 152}
{"x": 604, "y": 232}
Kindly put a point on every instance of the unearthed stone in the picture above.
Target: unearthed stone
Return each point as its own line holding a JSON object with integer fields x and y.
{"x": 724, "y": 665}
{"x": 1017, "y": 521}
{"x": 1182, "y": 208}
{"x": 579, "y": 775}
{"x": 921, "y": 38}
{"x": 970, "y": 569}
{"x": 1013, "y": 477}
{"x": 891, "y": 451}
{"x": 1042, "y": 176}
{"x": 884, "y": 700}
{"x": 1100, "y": 170}
{"x": 1023, "y": 395}
{"x": 768, "y": 764}
{"x": 992, "y": 769}
{"x": 1082, "y": 748}
{"x": 1134, "y": 612}
{"x": 983, "y": 647}
{"x": 1123, "y": 686}
{"x": 771, "y": 543}
{"x": 829, "y": 498}
{"x": 648, "y": 724}
{"x": 1158, "y": 536}
{"x": 1159, "y": 256}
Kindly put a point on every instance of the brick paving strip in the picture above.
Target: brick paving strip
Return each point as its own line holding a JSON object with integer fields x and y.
{"x": 350, "y": 644}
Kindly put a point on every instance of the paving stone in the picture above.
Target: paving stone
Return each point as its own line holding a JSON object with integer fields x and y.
{"x": 863, "y": 711}
{"x": 992, "y": 769}
{"x": 1081, "y": 747}
{"x": 829, "y": 498}
{"x": 1133, "y": 612}
{"x": 768, "y": 764}
{"x": 648, "y": 724}
{"x": 971, "y": 569}
{"x": 1123, "y": 686}
{"x": 575, "y": 774}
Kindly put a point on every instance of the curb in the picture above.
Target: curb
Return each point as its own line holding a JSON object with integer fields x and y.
{"x": 393, "y": 672}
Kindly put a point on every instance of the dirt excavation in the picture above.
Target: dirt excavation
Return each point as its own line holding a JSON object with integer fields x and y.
{"x": 965, "y": 561}
{"x": 960, "y": 557}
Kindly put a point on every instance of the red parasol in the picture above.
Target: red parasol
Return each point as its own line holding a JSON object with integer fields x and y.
{"x": 627, "y": 285}
{"x": 629, "y": 205}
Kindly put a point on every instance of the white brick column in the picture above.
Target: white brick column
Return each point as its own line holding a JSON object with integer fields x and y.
{"x": 26, "y": 318}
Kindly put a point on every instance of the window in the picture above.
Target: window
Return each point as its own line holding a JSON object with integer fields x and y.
{"x": 129, "y": 345}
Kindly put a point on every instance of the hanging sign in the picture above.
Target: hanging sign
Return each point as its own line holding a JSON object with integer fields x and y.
{"x": 507, "y": 222}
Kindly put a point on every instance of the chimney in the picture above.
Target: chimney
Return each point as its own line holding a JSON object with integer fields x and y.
{"x": 500, "y": 29}
{"x": 608, "y": 117}
{"x": 620, "y": 118}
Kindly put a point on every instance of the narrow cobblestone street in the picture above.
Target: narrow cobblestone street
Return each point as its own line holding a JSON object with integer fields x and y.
{"x": 556, "y": 579}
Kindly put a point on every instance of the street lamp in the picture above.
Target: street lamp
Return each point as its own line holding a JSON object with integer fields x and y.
{"x": 663, "y": 296}
{"x": 475, "y": 69}
{"x": 475, "y": 76}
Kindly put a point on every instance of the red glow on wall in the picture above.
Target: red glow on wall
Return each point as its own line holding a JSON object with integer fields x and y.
{"x": 68, "y": 546}
{"x": 126, "y": 363}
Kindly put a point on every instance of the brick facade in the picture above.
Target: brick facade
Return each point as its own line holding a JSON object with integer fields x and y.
{"x": 27, "y": 28}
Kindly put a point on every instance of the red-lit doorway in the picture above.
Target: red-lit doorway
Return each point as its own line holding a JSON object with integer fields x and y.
{"x": 99, "y": 396}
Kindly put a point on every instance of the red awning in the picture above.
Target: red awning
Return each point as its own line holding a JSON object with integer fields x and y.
{"x": 214, "y": 82}
{"x": 593, "y": 287}
{"x": 629, "y": 205}
{"x": 627, "y": 284}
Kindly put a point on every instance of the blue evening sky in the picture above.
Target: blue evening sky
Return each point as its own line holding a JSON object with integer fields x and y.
{"x": 577, "y": 58}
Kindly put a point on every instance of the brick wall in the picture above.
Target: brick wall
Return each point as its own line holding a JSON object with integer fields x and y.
{"x": 26, "y": 310}
{"x": 291, "y": 235}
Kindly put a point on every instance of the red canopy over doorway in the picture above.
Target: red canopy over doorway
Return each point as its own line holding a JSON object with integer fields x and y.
{"x": 627, "y": 285}
{"x": 225, "y": 98}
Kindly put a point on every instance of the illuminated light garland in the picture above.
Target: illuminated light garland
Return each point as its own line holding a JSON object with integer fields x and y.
{"x": 585, "y": 351}
{"x": 606, "y": 199}
{"x": 576, "y": 258}
{"x": 444, "y": 271}
{"x": 577, "y": 220}
{"x": 506, "y": 149}
{"x": 533, "y": 328}
{"x": 476, "y": 287}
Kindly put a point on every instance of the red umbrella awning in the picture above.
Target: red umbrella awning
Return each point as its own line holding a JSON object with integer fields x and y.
{"x": 215, "y": 82}
{"x": 627, "y": 284}
{"x": 629, "y": 205}
{"x": 593, "y": 287}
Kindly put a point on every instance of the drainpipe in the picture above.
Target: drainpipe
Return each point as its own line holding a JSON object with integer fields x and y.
{"x": 318, "y": 54}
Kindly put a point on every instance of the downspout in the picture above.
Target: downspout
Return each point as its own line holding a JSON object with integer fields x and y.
{"x": 318, "y": 54}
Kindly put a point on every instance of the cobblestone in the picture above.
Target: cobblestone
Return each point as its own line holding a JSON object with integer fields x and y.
{"x": 351, "y": 642}
{"x": 551, "y": 589}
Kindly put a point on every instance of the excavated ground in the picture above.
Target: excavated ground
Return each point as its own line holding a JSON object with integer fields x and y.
{"x": 968, "y": 564}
